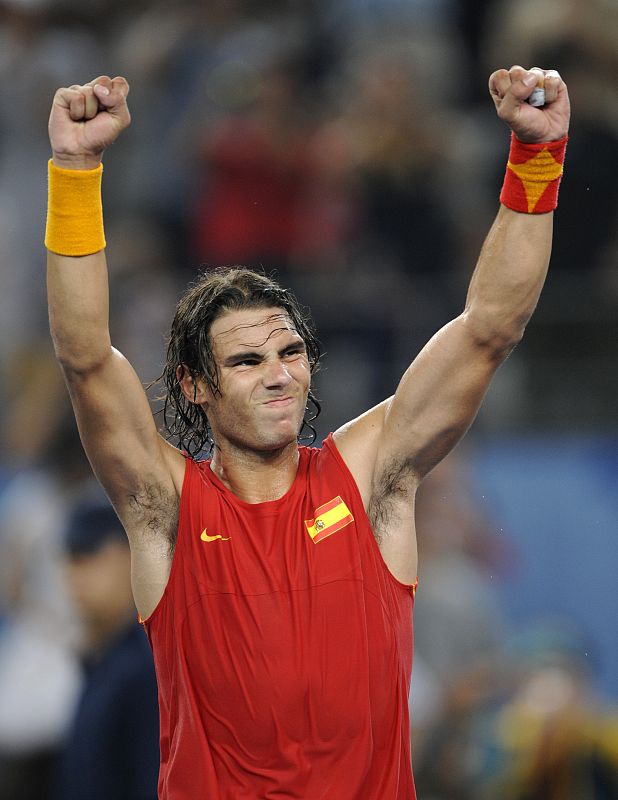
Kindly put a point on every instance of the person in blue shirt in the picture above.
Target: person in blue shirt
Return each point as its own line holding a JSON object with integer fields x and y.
{"x": 112, "y": 750}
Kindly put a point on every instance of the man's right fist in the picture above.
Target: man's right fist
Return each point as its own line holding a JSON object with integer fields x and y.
{"x": 86, "y": 119}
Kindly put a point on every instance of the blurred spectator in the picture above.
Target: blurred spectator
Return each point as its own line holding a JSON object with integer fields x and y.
{"x": 35, "y": 58}
{"x": 263, "y": 196}
{"x": 540, "y": 732}
{"x": 142, "y": 266}
{"x": 39, "y": 673}
{"x": 392, "y": 139}
{"x": 112, "y": 750}
{"x": 554, "y": 739}
{"x": 499, "y": 715}
{"x": 458, "y": 619}
{"x": 472, "y": 16}
{"x": 161, "y": 48}
{"x": 459, "y": 626}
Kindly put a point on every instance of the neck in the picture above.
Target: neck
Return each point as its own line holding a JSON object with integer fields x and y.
{"x": 256, "y": 476}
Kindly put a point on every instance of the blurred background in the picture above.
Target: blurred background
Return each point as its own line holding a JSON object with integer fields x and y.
{"x": 350, "y": 146}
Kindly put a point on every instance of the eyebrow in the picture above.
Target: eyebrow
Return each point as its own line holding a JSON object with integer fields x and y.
{"x": 255, "y": 356}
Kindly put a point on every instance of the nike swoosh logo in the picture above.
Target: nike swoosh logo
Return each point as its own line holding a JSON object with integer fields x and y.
{"x": 206, "y": 538}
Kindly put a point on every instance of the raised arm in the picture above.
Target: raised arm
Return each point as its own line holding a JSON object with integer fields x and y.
{"x": 140, "y": 472}
{"x": 392, "y": 447}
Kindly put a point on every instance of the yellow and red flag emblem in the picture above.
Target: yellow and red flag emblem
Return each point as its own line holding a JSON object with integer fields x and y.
{"x": 329, "y": 518}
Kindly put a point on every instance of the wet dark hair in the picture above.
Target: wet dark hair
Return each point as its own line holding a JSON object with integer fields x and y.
{"x": 190, "y": 346}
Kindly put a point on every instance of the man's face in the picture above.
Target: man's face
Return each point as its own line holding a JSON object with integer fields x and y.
{"x": 264, "y": 379}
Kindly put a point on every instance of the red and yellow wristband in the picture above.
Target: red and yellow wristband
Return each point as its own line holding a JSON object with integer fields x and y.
{"x": 533, "y": 175}
{"x": 74, "y": 211}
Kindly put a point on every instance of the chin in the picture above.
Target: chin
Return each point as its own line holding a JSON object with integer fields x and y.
{"x": 279, "y": 442}
{"x": 283, "y": 437}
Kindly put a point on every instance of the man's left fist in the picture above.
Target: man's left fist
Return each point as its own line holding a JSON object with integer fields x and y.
{"x": 510, "y": 89}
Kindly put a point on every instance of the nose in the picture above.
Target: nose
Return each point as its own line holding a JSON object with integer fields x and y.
{"x": 276, "y": 374}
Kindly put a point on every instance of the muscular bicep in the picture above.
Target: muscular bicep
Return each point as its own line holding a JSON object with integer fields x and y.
{"x": 438, "y": 398}
{"x": 119, "y": 433}
{"x": 394, "y": 445}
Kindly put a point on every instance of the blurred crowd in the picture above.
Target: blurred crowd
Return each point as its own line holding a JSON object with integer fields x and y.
{"x": 350, "y": 146}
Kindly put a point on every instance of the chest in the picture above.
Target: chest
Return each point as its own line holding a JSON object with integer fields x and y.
{"x": 313, "y": 538}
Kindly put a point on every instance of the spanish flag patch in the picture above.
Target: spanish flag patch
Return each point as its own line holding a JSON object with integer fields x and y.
{"x": 329, "y": 518}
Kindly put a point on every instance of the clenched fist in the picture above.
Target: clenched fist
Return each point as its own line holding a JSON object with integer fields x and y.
{"x": 86, "y": 119}
{"x": 511, "y": 88}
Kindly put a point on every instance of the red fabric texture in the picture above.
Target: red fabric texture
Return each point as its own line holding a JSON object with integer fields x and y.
{"x": 532, "y": 177}
{"x": 283, "y": 665}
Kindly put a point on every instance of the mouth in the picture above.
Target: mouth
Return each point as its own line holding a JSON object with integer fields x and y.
{"x": 279, "y": 402}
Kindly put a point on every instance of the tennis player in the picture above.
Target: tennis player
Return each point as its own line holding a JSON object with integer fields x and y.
{"x": 276, "y": 582}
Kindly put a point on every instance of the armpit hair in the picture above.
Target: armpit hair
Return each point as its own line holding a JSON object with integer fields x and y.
{"x": 155, "y": 513}
{"x": 394, "y": 484}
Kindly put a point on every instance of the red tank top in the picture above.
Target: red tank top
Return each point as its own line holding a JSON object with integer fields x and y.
{"x": 283, "y": 646}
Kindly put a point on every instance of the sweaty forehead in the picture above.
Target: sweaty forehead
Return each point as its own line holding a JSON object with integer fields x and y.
{"x": 250, "y": 327}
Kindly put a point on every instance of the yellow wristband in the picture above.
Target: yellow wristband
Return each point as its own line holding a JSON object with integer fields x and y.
{"x": 74, "y": 211}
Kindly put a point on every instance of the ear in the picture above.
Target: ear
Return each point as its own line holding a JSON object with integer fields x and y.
{"x": 194, "y": 389}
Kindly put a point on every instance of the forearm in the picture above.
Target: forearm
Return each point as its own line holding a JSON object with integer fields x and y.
{"x": 77, "y": 291}
{"x": 511, "y": 270}
{"x": 508, "y": 278}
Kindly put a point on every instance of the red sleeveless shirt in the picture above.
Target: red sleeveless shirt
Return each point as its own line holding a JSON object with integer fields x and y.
{"x": 283, "y": 646}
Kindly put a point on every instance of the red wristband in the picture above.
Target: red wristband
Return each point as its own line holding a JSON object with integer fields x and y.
{"x": 533, "y": 176}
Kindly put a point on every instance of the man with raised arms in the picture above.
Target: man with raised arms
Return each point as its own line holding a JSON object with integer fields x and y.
{"x": 276, "y": 582}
